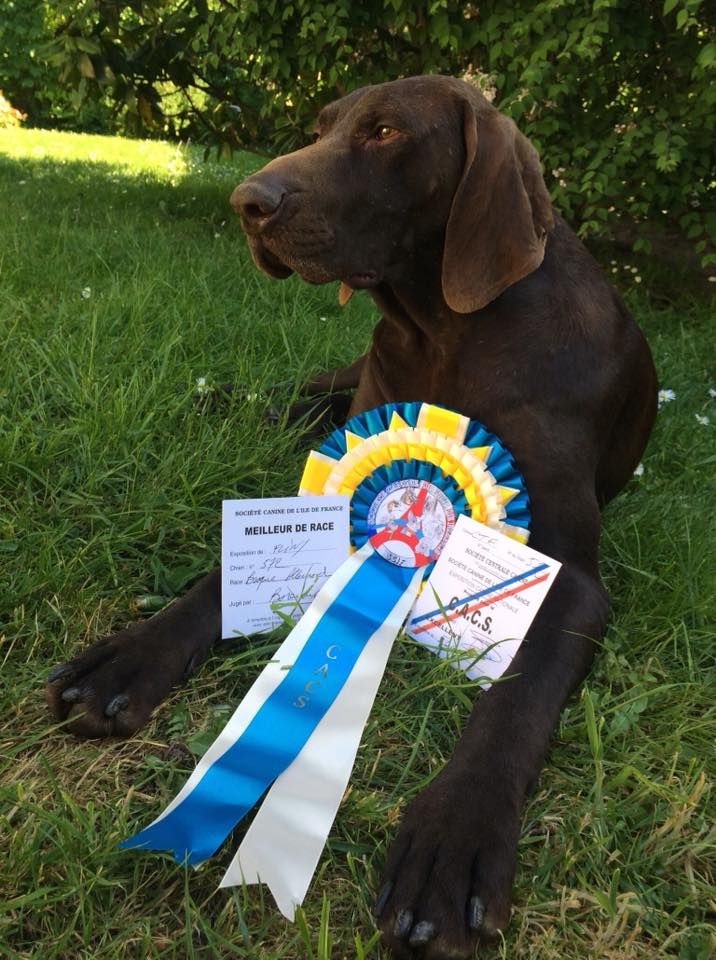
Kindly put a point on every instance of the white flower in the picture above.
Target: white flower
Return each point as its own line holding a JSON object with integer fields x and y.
{"x": 201, "y": 386}
{"x": 712, "y": 393}
{"x": 666, "y": 396}
{"x": 86, "y": 293}
{"x": 323, "y": 319}
{"x": 639, "y": 472}
{"x": 704, "y": 421}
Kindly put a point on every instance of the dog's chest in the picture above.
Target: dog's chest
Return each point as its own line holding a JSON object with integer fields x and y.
{"x": 474, "y": 372}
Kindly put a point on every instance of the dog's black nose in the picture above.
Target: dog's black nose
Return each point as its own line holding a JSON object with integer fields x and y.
{"x": 257, "y": 201}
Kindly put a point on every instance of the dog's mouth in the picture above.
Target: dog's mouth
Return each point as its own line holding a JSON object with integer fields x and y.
{"x": 266, "y": 260}
{"x": 363, "y": 281}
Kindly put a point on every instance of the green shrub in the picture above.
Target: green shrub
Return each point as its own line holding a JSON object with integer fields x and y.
{"x": 33, "y": 85}
{"x": 617, "y": 95}
{"x": 27, "y": 81}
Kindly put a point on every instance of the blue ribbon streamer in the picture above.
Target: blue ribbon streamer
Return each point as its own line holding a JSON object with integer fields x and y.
{"x": 197, "y": 826}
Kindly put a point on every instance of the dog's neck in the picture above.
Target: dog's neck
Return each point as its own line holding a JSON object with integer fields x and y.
{"x": 417, "y": 341}
{"x": 417, "y": 329}
{"x": 413, "y": 304}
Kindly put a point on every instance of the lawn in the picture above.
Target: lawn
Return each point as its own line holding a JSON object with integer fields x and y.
{"x": 123, "y": 279}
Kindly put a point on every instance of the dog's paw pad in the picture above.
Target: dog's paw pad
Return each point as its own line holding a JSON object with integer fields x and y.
{"x": 107, "y": 690}
{"x": 449, "y": 874}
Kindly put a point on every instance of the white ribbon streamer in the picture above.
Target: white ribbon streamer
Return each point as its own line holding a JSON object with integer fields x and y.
{"x": 283, "y": 844}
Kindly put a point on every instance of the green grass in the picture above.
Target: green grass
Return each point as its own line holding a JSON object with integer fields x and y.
{"x": 124, "y": 278}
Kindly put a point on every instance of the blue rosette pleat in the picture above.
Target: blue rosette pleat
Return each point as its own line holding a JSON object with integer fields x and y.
{"x": 499, "y": 462}
{"x": 367, "y": 425}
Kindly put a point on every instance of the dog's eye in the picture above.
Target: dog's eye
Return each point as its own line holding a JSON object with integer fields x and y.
{"x": 384, "y": 132}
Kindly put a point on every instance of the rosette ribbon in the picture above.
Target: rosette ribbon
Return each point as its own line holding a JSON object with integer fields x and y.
{"x": 409, "y": 469}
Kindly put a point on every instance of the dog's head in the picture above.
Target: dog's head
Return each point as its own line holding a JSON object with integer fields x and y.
{"x": 395, "y": 170}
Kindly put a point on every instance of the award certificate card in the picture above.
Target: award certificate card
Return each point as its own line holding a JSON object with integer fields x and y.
{"x": 276, "y": 554}
{"x": 481, "y": 597}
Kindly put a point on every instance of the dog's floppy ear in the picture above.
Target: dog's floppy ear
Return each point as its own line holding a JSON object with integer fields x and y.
{"x": 500, "y": 214}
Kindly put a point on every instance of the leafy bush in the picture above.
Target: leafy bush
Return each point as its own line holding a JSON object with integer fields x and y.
{"x": 616, "y": 94}
{"x": 26, "y": 79}
{"x": 26, "y": 28}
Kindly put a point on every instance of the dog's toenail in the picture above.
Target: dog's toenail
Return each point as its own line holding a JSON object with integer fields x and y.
{"x": 72, "y": 695}
{"x": 120, "y": 702}
{"x": 191, "y": 666}
{"x": 421, "y": 933}
{"x": 403, "y": 922}
{"x": 60, "y": 672}
{"x": 382, "y": 898}
{"x": 475, "y": 913}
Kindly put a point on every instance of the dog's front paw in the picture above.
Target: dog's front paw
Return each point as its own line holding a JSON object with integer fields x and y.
{"x": 111, "y": 688}
{"x": 449, "y": 874}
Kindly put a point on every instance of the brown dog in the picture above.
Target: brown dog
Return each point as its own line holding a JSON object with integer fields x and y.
{"x": 422, "y": 193}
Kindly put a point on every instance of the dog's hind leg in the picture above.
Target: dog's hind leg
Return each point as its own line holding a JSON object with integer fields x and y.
{"x": 323, "y": 402}
{"x": 333, "y": 381}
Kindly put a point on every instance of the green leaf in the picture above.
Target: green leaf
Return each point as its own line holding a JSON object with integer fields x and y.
{"x": 707, "y": 57}
{"x": 86, "y": 67}
{"x": 88, "y": 45}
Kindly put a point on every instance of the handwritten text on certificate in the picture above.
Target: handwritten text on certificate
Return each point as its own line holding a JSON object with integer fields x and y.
{"x": 276, "y": 554}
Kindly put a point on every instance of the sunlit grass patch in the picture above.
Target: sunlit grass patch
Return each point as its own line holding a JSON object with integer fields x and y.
{"x": 157, "y": 158}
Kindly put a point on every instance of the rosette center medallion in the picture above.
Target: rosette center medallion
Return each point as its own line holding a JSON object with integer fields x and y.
{"x": 409, "y": 522}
